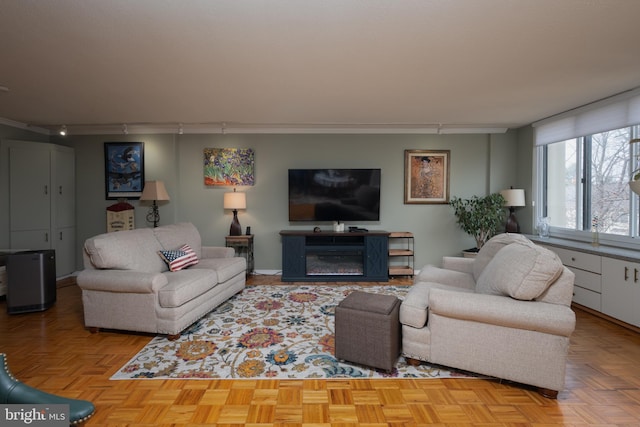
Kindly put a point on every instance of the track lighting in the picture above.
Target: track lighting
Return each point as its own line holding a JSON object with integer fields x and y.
{"x": 63, "y": 130}
{"x": 180, "y": 129}
{"x": 124, "y": 129}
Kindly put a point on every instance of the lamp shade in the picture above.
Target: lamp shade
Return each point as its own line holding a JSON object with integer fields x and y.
{"x": 513, "y": 197}
{"x": 154, "y": 190}
{"x": 235, "y": 200}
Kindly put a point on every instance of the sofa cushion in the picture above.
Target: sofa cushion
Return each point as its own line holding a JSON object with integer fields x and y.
{"x": 180, "y": 258}
{"x": 491, "y": 248}
{"x": 520, "y": 270}
{"x": 185, "y": 285}
{"x": 225, "y": 268}
{"x": 126, "y": 250}
{"x": 175, "y": 235}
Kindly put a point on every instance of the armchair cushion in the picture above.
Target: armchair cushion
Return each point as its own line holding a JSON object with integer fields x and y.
{"x": 505, "y": 312}
{"x": 491, "y": 248}
{"x": 414, "y": 308}
{"x": 446, "y": 276}
{"x": 521, "y": 271}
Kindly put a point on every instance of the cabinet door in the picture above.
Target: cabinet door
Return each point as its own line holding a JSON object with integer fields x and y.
{"x": 63, "y": 186}
{"x": 293, "y": 256}
{"x": 64, "y": 243}
{"x": 31, "y": 240}
{"x": 29, "y": 188}
{"x": 621, "y": 290}
{"x": 377, "y": 251}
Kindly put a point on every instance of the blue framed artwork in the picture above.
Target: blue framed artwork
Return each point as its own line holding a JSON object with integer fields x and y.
{"x": 124, "y": 169}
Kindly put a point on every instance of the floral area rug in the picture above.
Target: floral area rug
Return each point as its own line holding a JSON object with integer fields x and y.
{"x": 267, "y": 332}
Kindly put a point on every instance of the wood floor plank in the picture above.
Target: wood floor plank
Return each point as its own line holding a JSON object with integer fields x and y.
{"x": 53, "y": 351}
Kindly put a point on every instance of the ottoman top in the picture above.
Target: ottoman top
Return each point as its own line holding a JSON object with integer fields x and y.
{"x": 372, "y": 303}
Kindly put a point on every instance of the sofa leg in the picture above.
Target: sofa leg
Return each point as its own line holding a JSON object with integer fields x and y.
{"x": 94, "y": 329}
{"x": 173, "y": 337}
{"x": 413, "y": 362}
{"x": 549, "y": 394}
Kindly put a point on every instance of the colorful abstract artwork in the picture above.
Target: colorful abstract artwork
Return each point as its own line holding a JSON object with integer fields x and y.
{"x": 228, "y": 166}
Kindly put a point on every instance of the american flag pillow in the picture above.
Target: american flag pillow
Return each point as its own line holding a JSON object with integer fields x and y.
{"x": 180, "y": 258}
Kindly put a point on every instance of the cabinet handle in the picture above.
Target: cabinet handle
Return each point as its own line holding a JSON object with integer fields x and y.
{"x": 60, "y": 190}
{"x": 46, "y": 190}
{"x": 61, "y": 235}
{"x": 635, "y": 275}
{"x": 626, "y": 273}
{"x": 573, "y": 258}
{"x": 46, "y": 237}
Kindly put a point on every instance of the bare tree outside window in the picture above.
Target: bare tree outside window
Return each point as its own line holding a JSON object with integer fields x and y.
{"x": 587, "y": 182}
{"x": 610, "y": 169}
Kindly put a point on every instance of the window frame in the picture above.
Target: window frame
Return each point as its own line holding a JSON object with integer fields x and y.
{"x": 583, "y": 195}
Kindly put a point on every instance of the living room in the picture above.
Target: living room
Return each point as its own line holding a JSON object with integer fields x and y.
{"x": 489, "y": 135}
{"x": 479, "y": 164}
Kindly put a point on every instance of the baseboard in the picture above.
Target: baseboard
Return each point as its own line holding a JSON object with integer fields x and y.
{"x": 267, "y": 272}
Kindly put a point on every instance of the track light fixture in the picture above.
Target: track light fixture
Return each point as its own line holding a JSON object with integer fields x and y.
{"x": 180, "y": 129}
{"x": 63, "y": 130}
{"x": 124, "y": 129}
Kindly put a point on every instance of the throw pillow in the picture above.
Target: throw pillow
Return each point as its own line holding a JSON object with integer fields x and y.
{"x": 491, "y": 248}
{"x": 521, "y": 271}
{"x": 180, "y": 258}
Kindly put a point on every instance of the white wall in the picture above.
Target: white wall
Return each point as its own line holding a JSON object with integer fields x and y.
{"x": 479, "y": 164}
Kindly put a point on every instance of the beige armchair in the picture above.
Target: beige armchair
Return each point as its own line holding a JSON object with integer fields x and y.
{"x": 505, "y": 314}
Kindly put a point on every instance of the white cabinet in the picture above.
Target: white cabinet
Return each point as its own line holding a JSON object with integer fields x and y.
{"x": 607, "y": 278}
{"x": 621, "y": 290}
{"x": 42, "y": 200}
{"x": 588, "y": 270}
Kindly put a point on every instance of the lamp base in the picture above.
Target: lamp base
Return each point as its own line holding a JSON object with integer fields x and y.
{"x": 235, "y": 229}
{"x": 512, "y": 223}
{"x": 153, "y": 216}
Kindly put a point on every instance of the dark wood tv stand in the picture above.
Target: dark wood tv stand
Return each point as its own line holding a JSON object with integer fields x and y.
{"x": 325, "y": 256}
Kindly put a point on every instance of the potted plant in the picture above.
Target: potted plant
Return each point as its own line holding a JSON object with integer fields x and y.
{"x": 481, "y": 217}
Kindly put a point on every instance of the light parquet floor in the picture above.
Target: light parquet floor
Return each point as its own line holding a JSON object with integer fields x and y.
{"x": 51, "y": 350}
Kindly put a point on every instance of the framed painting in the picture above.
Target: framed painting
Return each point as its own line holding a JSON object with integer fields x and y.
{"x": 123, "y": 169}
{"x": 426, "y": 176}
{"x": 228, "y": 166}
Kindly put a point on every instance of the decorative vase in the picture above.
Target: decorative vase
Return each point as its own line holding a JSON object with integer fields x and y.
{"x": 543, "y": 227}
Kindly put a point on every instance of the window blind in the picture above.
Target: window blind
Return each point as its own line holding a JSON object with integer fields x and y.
{"x": 619, "y": 111}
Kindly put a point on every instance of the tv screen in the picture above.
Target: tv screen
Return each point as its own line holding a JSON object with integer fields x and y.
{"x": 334, "y": 194}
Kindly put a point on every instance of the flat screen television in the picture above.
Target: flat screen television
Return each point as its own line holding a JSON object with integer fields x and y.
{"x": 334, "y": 194}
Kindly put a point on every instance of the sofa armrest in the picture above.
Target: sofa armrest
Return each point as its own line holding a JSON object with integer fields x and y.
{"x": 217, "y": 252}
{"x": 125, "y": 281}
{"x": 503, "y": 311}
{"x": 463, "y": 265}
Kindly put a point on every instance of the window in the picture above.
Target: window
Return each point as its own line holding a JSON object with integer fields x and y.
{"x": 584, "y": 183}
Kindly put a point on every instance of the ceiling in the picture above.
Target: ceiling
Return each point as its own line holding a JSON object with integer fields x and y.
{"x": 311, "y": 64}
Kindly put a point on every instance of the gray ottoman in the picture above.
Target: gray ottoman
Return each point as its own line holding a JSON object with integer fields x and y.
{"x": 368, "y": 330}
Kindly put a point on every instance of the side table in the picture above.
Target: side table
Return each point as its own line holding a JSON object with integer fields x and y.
{"x": 243, "y": 246}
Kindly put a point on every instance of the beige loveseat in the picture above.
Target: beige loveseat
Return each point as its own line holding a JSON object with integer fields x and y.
{"x": 127, "y": 284}
{"x": 505, "y": 313}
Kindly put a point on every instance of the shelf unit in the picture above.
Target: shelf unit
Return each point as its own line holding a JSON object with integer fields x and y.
{"x": 401, "y": 253}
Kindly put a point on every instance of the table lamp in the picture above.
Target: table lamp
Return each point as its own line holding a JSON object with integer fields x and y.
{"x": 235, "y": 201}
{"x": 514, "y": 197}
{"x": 155, "y": 191}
